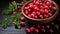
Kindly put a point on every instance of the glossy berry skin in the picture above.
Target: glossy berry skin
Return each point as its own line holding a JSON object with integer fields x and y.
{"x": 22, "y": 23}
{"x": 37, "y": 3}
{"x": 47, "y": 26}
{"x": 41, "y": 11}
{"x": 54, "y": 8}
{"x": 41, "y": 16}
{"x": 28, "y": 30}
{"x": 43, "y": 30}
{"x": 36, "y": 8}
{"x": 36, "y": 31}
{"x": 42, "y": 27}
{"x": 46, "y": 10}
{"x": 49, "y": 14}
{"x": 26, "y": 8}
{"x": 38, "y": 26}
{"x": 45, "y": 16}
{"x": 22, "y": 18}
{"x": 32, "y": 28}
{"x": 22, "y": 2}
{"x": 26, "y": 12}
{"x": 41, "y": 3}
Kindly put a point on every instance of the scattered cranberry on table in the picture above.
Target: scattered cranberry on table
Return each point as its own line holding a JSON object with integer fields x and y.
{"x": 22, "y": 23}
{"x": 14, "y": 12}
{"x": 22, "y": 18}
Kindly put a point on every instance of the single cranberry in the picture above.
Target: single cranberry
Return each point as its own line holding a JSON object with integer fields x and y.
{"x": 19, "y": 7}
{"x": 25, "y": 8}
{"x": 32, "y": 28}
{"x": 49, "y": 14}
{"x": 38, "y": 13}
{"x": 29, "y": 15}
{"x": 41, "y": 11}
{"x": 37, "y": 2}
{"x": 22, "y": 18}
{"x": 22, "y": 23}
{"x": 46, "y": 6}
{"x": 28, "y": 30}
{"x": 22, "y": 2}
{"x": 43, "y": 30}
{"x": 19, "y": 10}
{"x": 45, "y": 16}
{"x": 35, "y": 17}
{"x": 36, "y": 8}
{"x": 30, "y": 6}
{"x": 47, "y": 26}
{"x": 14, "y": 12}
{"x": 42, "y": 27}
{"x": 38, "y": 26}
{"x": 54, "y": 8}
{"x": 41, "y": 16}
{"x": 50, "y": 30}
{"x": 48, "y": 3}
{"x": 56, "y": 26}
{"x": 41, "y": 7}
{"x": 36, "y": 30}
{"x": 26, "y": 12}
{"x": 32, "y": 15}
{"x": 46, "y": 10}
{"x": 41, "y": 3}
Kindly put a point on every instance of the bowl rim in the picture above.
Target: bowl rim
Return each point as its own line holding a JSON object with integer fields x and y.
{"x": 38, "y": 19}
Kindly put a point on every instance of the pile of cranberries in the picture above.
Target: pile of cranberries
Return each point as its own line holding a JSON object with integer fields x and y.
{"x": 40, "y": 9}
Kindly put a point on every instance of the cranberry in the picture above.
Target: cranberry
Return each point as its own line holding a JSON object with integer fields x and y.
{"x": 41, "y": 16}
{"x": 32, "y": 15}
{"x": 36, "y": 30}
{"x": 41, "y": 7}
{"x": 45, "y": 16}
{"x": 41, "y": 3}
{"x": 14, "y": 12}
{"x": 37, "y": 2}
{"x": 22, "y": 23}
{"x": 30, "y": 6}
{"x": 32, "y": 28}
{"x": 34, "y": 12}
{"x": 42, "y": 11}
{"x": 43, "y": 30}
{"x": 42, "y": 27}
{"x": 29, "y": 15}
{"x": 54, "y": 8}
{"x": 29, "y": 10}
{"x": 28, "y": 30}
{"x": 22, "y": 18}
{"x": 22, "y": 2}
{"x": 36, "y": 8}
{"x": 35, "y": 17}
{"x": 26, "y": 12}
{"x": 47, "y": 26}
{"x": 48, "y": 3}
{"x": 19, "y": 10}
{"x": 49, "y": 14}
{"x": 26, "y": 8}
{"x": 38, "y": 13}
{"x": 19, "y": 7}
{"x": 46, "y": 10}
{"x": 50, "y": 30}
{"x": 56, "y": 26}
{"x": 46, "y": 6}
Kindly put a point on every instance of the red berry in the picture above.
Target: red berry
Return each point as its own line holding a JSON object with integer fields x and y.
{"x": 35, "y": 17}
{"x": 29, "y": 10}
{"x": 37, "y": 2}
{"x": 22, "y": 2}
{"x": 22, "y": 23}
{"x": 26, "y": 12}
{"x": 28, "y": 30}
{"x": 41, "y": 11}
{"x": 48, "y": 3}
{"x": 49, "y": 14}
{"x": 42, "y": 27}
{"x": 41, "y": 3}
{"x": 43, "y": 30}
{"x": 41, "y": 7}
{"x": 47, "y": 26}
{"x": 54, "y": 8}
{"x": 19, "y": 10}
{"x": 30, "y": 6}
{"x": 19, "y": 7}
{"x": 22, "y": 18}
{"x": 36, "y": 8}
{"x": 41, "y": 16}
{"x": 45, "y": 16}
{"x": 14, "y": 12}
{"x": 34, "y": 12}
{"x": 26, "y": 8}
{"x": 32, "y": 15}
{"x": 46, "y": 6}
{"x": 36, "y": 30}
{"x": 56, "y": 26}
{"x": 38, "y": 13}
{"x": 32, "y": 28}
{"x": 50, "y": 30}
{"x": 46, "y": 10}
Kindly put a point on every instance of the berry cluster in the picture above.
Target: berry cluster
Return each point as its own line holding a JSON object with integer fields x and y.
{"x": 40, "y": 9}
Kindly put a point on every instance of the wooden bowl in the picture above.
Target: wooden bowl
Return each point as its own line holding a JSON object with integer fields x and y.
{"x": 46, "y": 20}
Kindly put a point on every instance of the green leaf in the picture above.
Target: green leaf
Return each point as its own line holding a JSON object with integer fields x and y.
{"x": 24, "y": 0}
